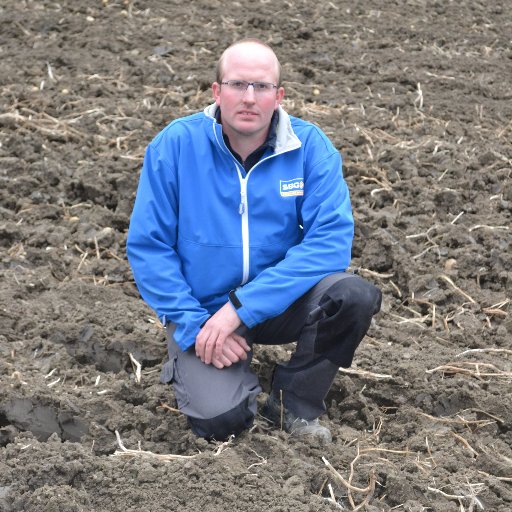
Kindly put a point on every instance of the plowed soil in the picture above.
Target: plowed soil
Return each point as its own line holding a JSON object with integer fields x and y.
{"x": 417, "y": 96}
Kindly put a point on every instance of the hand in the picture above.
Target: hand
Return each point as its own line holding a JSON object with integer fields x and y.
{"x": 235, "y": 349}
{"x": 212, "y": 336}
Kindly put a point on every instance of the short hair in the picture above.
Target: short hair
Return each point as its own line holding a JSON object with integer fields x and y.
{"x": 254, "y": 40}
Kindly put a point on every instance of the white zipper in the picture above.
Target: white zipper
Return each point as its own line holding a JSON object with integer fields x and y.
{"x": 243, "y": 210}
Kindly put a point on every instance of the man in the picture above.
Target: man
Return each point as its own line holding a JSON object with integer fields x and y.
{"x": 241, "y": 233}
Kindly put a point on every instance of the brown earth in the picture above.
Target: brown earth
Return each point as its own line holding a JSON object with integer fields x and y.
{"x": 417, "y": 96}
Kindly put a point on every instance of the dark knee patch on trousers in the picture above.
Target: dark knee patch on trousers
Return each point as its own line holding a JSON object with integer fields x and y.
{"x": 219, "y": 428}
{"x": 347, "y": 309}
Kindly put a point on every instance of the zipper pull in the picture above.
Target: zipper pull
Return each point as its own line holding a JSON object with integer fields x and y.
{"x": 243, "y": 198}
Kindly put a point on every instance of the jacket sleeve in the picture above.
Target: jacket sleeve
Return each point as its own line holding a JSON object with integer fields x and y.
{"x": 328, "y": 229}
{"x": 151, "y": 250}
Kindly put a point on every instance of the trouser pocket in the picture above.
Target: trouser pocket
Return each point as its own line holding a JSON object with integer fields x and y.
{"x": 171, "y": 375}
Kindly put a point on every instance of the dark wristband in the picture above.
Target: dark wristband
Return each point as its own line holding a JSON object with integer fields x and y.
{"x": 235, "y": 301}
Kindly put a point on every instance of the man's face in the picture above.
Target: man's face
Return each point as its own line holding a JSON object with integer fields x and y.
{"x": 247, "y": 115}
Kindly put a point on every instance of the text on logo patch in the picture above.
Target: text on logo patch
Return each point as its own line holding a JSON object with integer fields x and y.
{"x": 293, "y": 187}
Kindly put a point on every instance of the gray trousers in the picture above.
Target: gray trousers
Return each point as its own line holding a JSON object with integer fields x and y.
{"x": 328, "y": 323}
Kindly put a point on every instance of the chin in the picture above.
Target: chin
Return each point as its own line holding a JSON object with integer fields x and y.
{"x": 244, "y": 129}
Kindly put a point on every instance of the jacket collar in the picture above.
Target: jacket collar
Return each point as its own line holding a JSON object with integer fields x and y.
{"x": 286, "y": 140}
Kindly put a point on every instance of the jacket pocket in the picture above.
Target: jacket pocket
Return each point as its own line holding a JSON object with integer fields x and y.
{"x": 210, "y": 270}
{"x": 170, "y": 375}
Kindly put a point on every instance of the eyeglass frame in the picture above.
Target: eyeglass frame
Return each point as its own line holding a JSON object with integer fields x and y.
{"x": 274, "y": 86}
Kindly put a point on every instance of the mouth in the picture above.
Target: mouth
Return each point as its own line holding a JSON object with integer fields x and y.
{"x": 247, "y": 113}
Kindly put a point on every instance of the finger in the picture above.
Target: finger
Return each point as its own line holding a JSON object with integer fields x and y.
{"x": 217, "y": 364}
{"x": 230, "y": 354}
{"x": 201, "y": 341}
{"x": 199, "y": 349}
{"x": 235, "y": 348}
{"x": 219, "y": 344}
{"x": 242, "y": 354}
{"x": 226, "y": 361}
{"x": 221, "y": 362}
{"x": 199, "y": 346}
{"x": 202, "y": 349}
{"x": 242, "y": 342}
{"x": 210, "y": 347}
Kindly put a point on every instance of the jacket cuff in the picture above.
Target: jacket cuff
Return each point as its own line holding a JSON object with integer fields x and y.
{"x": 240, "y": 310}
{"x": 246, "y": 317}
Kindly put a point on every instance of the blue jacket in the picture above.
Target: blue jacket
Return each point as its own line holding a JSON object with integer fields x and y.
{"x": 200, "y": 227}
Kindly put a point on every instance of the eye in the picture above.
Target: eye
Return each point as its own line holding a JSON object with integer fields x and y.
{"x": 238, "y": 84}
{"x": 261, "y": 86}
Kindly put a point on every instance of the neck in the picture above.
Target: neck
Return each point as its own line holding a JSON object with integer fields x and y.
{"x": 245, "y": 145}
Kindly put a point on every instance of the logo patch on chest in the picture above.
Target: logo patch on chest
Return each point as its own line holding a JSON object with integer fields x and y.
{"x": 293, "y": 187}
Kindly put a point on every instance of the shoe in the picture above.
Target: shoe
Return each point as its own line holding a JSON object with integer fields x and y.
{"x": 292, "y": 424}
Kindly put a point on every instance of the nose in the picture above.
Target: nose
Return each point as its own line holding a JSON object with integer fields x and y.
{"x": 249, "y": 94}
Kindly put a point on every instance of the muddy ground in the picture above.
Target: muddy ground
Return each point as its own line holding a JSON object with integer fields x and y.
{"x": 417, "y": 96}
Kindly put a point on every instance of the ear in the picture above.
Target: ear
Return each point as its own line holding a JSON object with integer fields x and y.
{"x": 216, "y": 92}
{"x": 279, "y": 97}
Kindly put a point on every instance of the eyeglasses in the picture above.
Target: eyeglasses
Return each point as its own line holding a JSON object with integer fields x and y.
{"x": 242, "y": 85}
